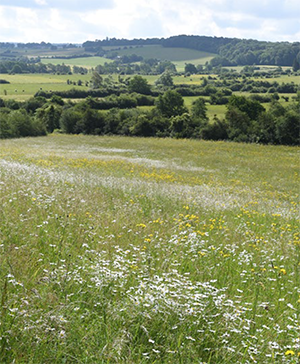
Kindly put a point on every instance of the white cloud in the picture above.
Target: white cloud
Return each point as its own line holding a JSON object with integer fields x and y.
{"x": 41, "y": 2}
{"x": 77, "y": 21}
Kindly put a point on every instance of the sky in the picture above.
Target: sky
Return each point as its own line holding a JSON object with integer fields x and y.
{"x": 75, "y": 21}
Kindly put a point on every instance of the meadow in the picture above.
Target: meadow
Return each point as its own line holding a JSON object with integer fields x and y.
{"x": 24, "y": 86}
{"x": 179, "y": 56}
{"x": 87, "y": 62}
{"x": 132, "y": 250}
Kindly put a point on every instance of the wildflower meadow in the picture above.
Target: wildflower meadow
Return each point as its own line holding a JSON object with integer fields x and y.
{"x": 135, "y": 250}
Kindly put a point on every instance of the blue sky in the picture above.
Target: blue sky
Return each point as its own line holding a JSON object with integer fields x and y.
{"x": 75, "y": 21}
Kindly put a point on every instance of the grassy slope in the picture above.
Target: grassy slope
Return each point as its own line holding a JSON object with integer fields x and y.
{"x": 50, "y": 53}
{"x": 87, "y": 62}
{"x": 179, "y": 56}
{"x": 148, "y": 250}
{"x": 162, "y": 53}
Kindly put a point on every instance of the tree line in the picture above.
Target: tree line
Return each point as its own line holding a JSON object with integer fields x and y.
{"x": 246, "y": 120}
{"x": 229, "y": 51}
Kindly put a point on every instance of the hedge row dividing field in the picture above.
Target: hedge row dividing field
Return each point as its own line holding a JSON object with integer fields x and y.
{"x": 132, "y": 250}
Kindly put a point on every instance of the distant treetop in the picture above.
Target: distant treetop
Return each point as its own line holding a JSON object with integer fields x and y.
{"x": 230, "y": 51}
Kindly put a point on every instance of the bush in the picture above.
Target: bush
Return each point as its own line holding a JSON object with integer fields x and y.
{"x": 68, "y": 120}
{"x": 49, "y": 116}
{"x": 288, "y": 127}
{"x": 217, "y": 130}
{"x": 184, "y": 126}
{"x": 19, "y": 123}
{"x": 5, "y": 126}
{"x": 170, "y": 104}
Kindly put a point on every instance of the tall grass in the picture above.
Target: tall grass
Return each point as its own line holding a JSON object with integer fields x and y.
{"x": 131, "y": 250}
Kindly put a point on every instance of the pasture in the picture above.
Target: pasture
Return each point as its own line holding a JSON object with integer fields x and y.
{"x": 31, "y": 83}
{"x": 131, "y": 250}
{"x": 46, "y": 52}
{"x": 87, "y": 62}
{"x": 179, "y": 56}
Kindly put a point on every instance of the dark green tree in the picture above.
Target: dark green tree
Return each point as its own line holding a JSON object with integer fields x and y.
{"x": 252, "y": 108}
{"x": 296, "y": 65}
{"x": 143, "y": 126}
{"x": 50, "y": 116}
{"x": 199, "y": 109}
{"x": 288, "y": 126}
{"x": 190, "y": 68}
{"x": 23, "y": 125}
{"x": 140, "y": 85}
{"x": 171, "y": 103}
{"x": 68, "y": 120}
{"x": 165, "y": 80}
{"x": 5, "y": 127}
{"x": 91, "y": 122}
{"x": 184, "y": 126}
{"x": 239, "y": 125}
{"x": 96, "y": 80}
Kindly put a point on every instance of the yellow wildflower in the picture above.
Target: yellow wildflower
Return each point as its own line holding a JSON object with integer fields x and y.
{"x": 289, "y": 352}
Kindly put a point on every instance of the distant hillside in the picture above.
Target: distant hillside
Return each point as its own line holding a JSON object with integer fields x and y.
{"x": 230, "y": 51}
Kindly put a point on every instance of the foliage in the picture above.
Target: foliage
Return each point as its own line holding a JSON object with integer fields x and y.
{"x": 69, "y": 119}
{"x": 170, "y": 104}
{"x": 165, "y": 80}
{"x": 96, "y": 80}
{"x": 185, "y": 126}
{"x": 252, "y": 108}
{"x": 288, "y": 126}
{"x": 190, "y": 68}
{"x": 49, "y": 116}
{"x": 199, "y": 109}
{"x": 23, "y": 125}
{"x": 140, "y": 85}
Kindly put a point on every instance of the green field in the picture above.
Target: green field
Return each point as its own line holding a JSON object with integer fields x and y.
{"x": 131, "y": 250}
{"x": 60, "y": 52}
{"x": 179, "y": 56}
{"x": 165, "y": 53}
{"x": 87, "y": 62}
{"x": 90, "y": 62}
{"x": 31, "y": 83}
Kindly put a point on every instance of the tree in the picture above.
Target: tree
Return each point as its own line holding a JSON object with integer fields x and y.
{"x": 34, "y": 103}
{"x": 140, "y": 85}
{"x": 288, "y": 126}
{"x": 143, "y": 126}
{"x": 199, "y": 109}
{"x": 49, "y": 116}
{"x": 5, "y": 127}
{"x": 69, "y": 119}
{"x": 16, "y": 69}
{"x": 239, "y": 124}
{"x": 92, "y": 122}
{"x": 190, "y": 68}
{"x": 165, "y": 79}
{"x": 96, "y": 80}
{"x": 296, "y": 65}
{"x": 252, "y": 108}
{"x": 184, "y": 126}
{"x": 23, "y": 125}
{"x": 171, "y": 103}
{"x": 165, "y": 66}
